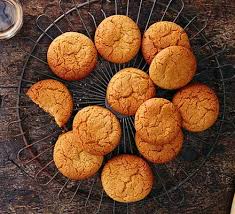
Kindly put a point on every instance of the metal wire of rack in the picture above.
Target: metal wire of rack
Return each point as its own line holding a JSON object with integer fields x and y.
{"x": 38, "y": 131}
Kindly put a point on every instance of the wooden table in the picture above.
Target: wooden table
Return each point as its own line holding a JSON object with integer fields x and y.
{"x": 214, "y": 184}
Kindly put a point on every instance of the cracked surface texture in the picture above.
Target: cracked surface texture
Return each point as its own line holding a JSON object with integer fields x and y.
{"x": 157, "y": 121}
{"x": 53, "y": 97}
{"x": 160, "y": 153}
{"x": 128, "y": 89}
{"x": 118, "y": 39}
{"x": 72, "y": 56}
{"x": 72, "y": 161}
{"x": 173, "y": 68}
{"x": 98, "y": 129}
{"x": 162, "y": 35}
{"x": 198, "y": 106}
{"x": 127, "y": 178}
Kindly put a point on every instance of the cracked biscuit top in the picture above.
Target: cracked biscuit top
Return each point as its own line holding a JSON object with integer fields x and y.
{"x": 72, "y": 56}
{"x": 173, "y": 68}
{"x": 160, "y": 153}
{"x": 98, "y": 129}
{"x": 127, "y": 178}
{"x": 162, "y": 35}
{"x": 72, "y": 161}
{"x": 118, "y": 39}
{"x": 128, "y": 89}
{"x": 198, "y": 106}
{"x": 53, "y": 97}
{"x": 157, "y": 121}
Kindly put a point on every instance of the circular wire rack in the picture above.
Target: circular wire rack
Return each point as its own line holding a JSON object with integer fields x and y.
{"x": 39, "y": 132}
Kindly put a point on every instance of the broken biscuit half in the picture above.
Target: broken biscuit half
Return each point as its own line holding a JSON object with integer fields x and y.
{"x": 53, "y": 97}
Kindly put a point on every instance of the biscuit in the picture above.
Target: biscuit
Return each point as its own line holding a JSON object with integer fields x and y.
{"x": 53, "y": 97}
{"x": 127, "y": 178}
{"x": 72, "y": 161}
{"x": 118, "y": 39}
{"x": 160, "y": 153}
{"x": 173, "y": 67}
{"x": 198, "y": 106}
{"x": 98, "y": 129}
{"x": 72, "y": 56}
{"x": 128, "y": 89}
{"x": 162, "y": 35}
{"x": 157, "y": 121}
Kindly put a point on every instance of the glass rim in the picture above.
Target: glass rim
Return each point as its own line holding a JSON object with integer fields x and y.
{"x": 18, "y": 22}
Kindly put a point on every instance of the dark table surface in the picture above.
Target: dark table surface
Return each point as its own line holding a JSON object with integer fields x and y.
{"x": 213, "y": 184}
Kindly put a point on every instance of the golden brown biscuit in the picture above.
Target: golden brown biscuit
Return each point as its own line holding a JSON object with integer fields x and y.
{"x": 127, "y": 178}
{"x": 128, "y": 89}
{"x": 162, "y": 35}
{"x": 72, "y": 56}
{"x": 172, "y": 68}
{"x": 198, "y": 106}
{"x": 72, "y": 161}
{"x": 53, "y": 97}
{"x": 98, "y": 129}
{"x": 118, "y": 39}
{"x": 157, "y": 121}
{"x": 160, "y": 153}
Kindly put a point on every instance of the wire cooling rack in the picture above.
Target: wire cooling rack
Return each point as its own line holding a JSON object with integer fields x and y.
{"x": 38, "y": 131}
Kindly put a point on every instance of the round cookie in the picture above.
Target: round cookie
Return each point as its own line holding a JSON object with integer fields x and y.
{"x": 53, "y": 97}
{"x": 157, "y": 121}
{"x": 98, "y": 129}
{"x": 160, "y": 153}
{"x": 128, "y": 89}
{"x": 173, "y": 68}
{"x": 160, "y": 36}
{"x": 198, "y": 106}
{"x": 72, "y": 161}
{"x": 127, "y": 178}
{"x": 118, "y": 39}
{"x": 72, "y": 56}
